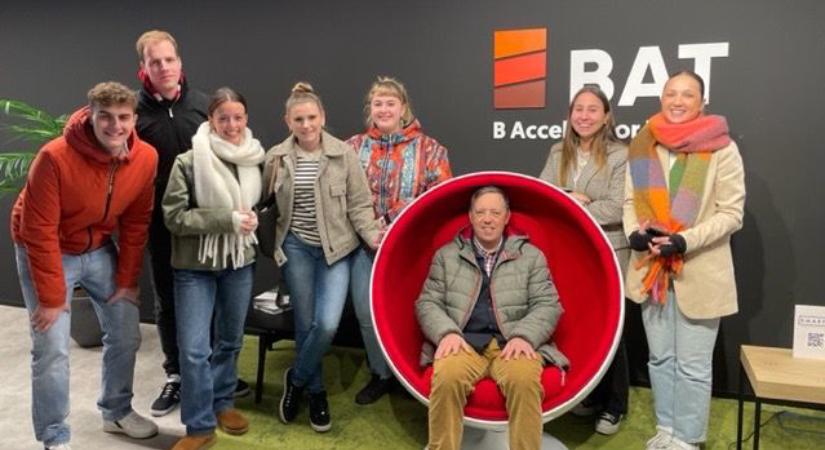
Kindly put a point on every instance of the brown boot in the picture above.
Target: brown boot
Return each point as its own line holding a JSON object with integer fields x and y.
{"x": 231, "y": 421}
{"x": 199, "y": 442}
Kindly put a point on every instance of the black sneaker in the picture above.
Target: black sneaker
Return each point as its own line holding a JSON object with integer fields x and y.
{"x": 290, "y": 399}
{"x": 241, "y": 389}
{"x": 168, "y": 399}
{"x": 319, "y": 418}
{"x": 374, "y": 390}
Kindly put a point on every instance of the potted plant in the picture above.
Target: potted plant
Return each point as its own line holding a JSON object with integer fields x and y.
{"x": 34, "y": 127}
{"x": 31, "y": 126}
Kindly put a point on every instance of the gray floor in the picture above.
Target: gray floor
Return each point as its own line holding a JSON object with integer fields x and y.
{"x": 15, "y": 391}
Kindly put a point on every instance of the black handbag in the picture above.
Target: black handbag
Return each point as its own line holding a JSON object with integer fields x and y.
{"x": 267, "y": 212}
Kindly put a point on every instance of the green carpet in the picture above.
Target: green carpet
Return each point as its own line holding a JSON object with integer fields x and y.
{"x": 399, "y": 422}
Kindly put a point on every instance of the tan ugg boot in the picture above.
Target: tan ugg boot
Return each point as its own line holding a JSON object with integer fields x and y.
{"x": 231, "y": 421}
{"x": 199, "y": 442}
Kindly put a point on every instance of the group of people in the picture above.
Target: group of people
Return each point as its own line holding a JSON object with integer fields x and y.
{"x": 183, "y": 172}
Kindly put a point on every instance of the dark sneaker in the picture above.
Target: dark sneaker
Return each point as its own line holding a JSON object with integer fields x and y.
{"x": 586, "y": 408}
{"x": 241, "y": 389}
{"x": 374, "y": 390}
{"x": 608, "y": 423}
{"x": 290, "y": 399}
{"x": 168, "y": 399}
{"x": 319, "y": 418}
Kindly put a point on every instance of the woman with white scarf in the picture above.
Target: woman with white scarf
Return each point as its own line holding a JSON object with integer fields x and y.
{"x": 208, "y": 210}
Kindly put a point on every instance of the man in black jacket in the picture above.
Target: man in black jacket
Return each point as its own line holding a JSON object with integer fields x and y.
{"x": 169, "y": 113}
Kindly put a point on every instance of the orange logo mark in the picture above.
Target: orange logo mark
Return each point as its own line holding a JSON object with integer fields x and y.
{"x": 520, "y": 68}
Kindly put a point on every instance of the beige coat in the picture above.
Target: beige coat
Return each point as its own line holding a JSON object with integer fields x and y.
{"x": 706, "y": 287}
{"x": 343, "y": 202}
{"x": 605, "y": 188}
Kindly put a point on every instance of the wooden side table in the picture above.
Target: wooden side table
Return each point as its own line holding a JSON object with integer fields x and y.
{"x": 777, "y": 377}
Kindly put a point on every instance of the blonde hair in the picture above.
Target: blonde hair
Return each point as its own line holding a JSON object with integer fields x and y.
{"x": 302, "y": 92}
{"x": 111, "y": 93}
{"x": 605, "y": 135}
{"x": 384, "y": 85}
{"x": 151, "y": 37}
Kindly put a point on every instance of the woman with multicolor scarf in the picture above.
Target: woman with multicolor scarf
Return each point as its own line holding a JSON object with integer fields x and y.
{"x": 684, "y": 198}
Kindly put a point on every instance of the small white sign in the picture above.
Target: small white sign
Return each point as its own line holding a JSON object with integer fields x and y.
{"x": 809, "y": 332}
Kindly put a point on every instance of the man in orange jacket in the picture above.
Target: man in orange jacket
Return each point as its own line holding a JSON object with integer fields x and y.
{"x": 93, "y": 182}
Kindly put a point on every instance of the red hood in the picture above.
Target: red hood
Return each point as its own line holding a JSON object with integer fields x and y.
{"x": 408, "y": 133}
{"x": 81, "y": 137}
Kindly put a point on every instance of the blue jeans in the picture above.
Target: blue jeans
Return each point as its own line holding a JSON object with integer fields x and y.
{"x": 209, "y": 363}
{"x": 359, "y": 287}
{"x": 317, "y": 294}
{"x": 680, "y": 367}
{"x": 94, "y": 271}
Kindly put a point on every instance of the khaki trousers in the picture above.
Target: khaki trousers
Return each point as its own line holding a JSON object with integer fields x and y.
{"x": 454, "y": 378}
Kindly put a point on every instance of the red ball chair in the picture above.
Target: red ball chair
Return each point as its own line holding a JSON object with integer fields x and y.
{"x": 580, "y": 258}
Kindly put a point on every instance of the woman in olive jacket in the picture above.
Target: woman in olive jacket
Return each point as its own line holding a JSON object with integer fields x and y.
{"x": 325, "y": 205}
{"x": 207, "y": 208}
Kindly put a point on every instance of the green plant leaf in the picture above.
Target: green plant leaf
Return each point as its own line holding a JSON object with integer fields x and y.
{"x": 37, "y": 125}
{"x": 14, "y": 168}
{"x": 22, "y": 110}
{"x": 23, "y": 122}
{"x": 30, "y": 134}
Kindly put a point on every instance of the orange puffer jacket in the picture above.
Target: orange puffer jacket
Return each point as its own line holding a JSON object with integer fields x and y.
{"x": 77, "y": 195}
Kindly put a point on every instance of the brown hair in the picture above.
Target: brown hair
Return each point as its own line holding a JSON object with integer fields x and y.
{"x": 384, "y": 85}
{"x": 223, "y": 95}
{"x": 605, "y": 135}
{"x": 152, "y": 36}
{"x": 489, "y": 189}
{"x": 302, "y": 92}
{"x": 693, "y": 75}
{"x": 111, "y": 93}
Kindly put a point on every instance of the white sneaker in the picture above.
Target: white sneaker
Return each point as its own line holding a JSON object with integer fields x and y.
{"x": 133, "y": 425}
{"x": 59, "y": 447}
{"x": 678, "y": 444}
{"x": 661, "y": 441}
{"x": 608, "y": 423}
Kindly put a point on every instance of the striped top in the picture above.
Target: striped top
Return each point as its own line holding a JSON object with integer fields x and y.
{"x": 304, "y": 221}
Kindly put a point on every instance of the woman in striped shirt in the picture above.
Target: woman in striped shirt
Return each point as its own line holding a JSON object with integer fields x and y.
{"x": 325, "y": 206}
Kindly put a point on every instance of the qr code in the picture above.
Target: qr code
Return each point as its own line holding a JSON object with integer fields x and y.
{"x": 816, "y": 340}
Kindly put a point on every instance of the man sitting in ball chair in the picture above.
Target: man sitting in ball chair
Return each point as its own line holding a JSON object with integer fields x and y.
{"x": 488, "y": 308}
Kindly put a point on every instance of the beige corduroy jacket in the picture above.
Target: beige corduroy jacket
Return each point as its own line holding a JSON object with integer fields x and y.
{"x": 706, "y": 287}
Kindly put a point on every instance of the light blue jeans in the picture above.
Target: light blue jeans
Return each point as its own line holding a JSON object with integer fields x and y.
{"x": 680, "y": 367}
{"x": 359, "y": 287}
{"x": 317, "y": 295}
{"x": 209, "y": 362}
{"x": 94, "y": 271}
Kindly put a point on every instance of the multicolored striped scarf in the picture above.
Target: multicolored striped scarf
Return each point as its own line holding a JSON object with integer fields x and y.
{"x": 671, "y": 207}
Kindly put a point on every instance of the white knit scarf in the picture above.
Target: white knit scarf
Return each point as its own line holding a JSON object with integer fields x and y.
{"x": 217, "y": 187}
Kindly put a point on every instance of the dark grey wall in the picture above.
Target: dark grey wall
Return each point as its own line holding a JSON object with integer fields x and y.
{"x": 769, "y": 87}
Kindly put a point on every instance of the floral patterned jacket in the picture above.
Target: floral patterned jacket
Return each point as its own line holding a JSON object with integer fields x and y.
{"x": 400, "y": 166}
